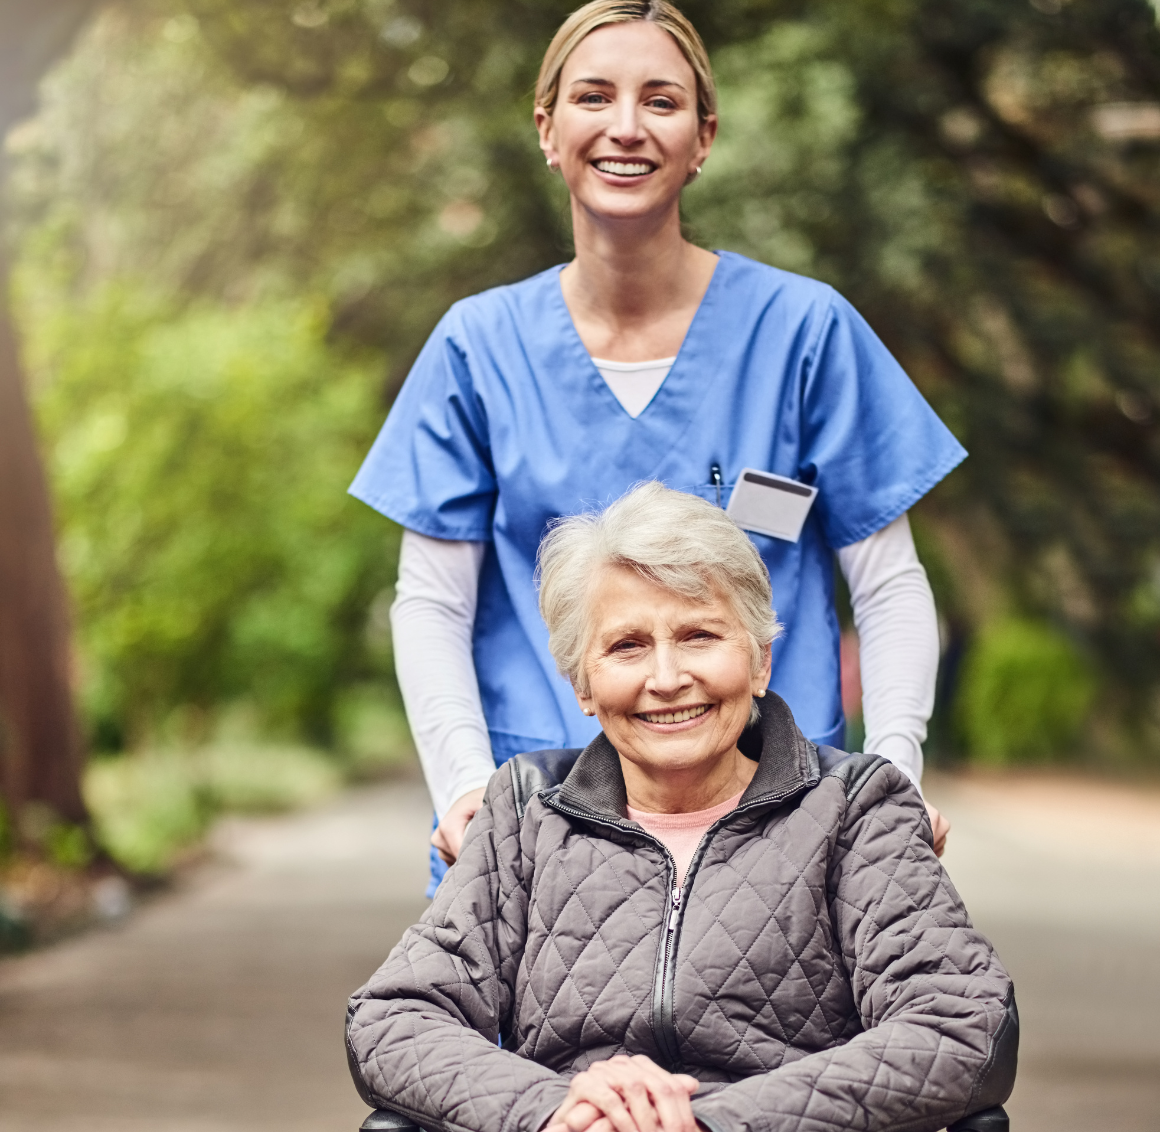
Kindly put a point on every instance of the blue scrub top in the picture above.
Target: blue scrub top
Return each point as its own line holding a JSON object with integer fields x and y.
{"x": 504, "y": 423}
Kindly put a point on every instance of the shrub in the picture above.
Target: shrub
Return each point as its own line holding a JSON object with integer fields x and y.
{"x": 1025, "y": 694}
{"x": 148, "y": 806}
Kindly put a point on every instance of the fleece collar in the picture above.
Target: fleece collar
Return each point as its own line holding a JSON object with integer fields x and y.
{"x": 788, "y": 763}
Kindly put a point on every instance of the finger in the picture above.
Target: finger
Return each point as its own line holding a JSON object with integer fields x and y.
{"x": 610, "y": 1103}
{"x": 637, "y": 1096}
{"x": 670, "y": 1094}
{"x": 582, "y": 1115}
{"x": 683, "y": 1080}
{"x": 671, "y": 1101}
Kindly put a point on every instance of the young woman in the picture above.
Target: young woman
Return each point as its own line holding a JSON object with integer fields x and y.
{"x": 646, "y": 357}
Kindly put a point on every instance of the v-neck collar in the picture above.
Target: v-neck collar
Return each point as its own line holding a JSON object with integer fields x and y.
{"x": 680, "y": 393}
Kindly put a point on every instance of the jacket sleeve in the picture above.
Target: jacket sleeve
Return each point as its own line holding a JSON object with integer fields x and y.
{"x": 422, "y": 1034}
{"x": 940, "y": 1028}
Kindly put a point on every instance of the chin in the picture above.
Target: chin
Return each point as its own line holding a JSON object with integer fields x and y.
{"x": 624, "y": 204}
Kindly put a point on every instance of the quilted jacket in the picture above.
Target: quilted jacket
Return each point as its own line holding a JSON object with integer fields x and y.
{"x": 817, "y": 971}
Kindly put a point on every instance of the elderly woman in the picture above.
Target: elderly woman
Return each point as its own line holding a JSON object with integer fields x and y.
{"x": 702, "y": 920}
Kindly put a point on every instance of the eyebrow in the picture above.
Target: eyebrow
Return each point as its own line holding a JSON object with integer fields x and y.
{"x": 651, "y": 84}
{"x": 630, "y": 630}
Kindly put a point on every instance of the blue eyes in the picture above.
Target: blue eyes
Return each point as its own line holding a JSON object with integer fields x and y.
{"x": 594, "y": 98}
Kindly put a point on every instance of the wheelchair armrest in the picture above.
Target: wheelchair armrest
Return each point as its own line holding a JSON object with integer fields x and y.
{"x": 986, "y": 1120}
{"x": 383, "y": 1120}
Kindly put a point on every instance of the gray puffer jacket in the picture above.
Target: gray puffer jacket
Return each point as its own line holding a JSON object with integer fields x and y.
{"x": 818, "y": 971}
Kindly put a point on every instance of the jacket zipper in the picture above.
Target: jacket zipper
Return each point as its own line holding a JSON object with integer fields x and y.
{"x": 664, "y": 1023}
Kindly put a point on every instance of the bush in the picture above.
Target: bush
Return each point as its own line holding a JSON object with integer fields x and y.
{"x": 1025, "y": 693}
{"x": 147, "y": 807}
{"x": 200, "y": 460}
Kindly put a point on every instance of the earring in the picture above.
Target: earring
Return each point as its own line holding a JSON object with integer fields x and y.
{"x": 587, "y": 711}
{"x": 760, "y": 693}
{"x": 698, "y": 170}
{"x": 551, "y": 164}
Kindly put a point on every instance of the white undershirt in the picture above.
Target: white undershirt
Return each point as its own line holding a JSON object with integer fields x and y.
{"x": 634, "y": 384}
{"x": 434, "y": 613}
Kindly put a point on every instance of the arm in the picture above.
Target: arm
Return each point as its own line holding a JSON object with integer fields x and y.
{"x": 431, "y": 624}
{"x": 931, "y": 993}
{"x": 422, "y": 1033}
{"x": 898, "y": 642}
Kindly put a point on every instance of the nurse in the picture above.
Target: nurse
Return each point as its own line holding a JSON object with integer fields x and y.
{"x": 646, "y": 358}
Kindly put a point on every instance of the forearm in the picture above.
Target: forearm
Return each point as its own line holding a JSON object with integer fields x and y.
{"x": 445, "y": 1075}
{"x": 878, "y": 1082}
{"x": 422, "y": 1033}
{"x": 431, "y": 623}
{"x": 897, "y": 627}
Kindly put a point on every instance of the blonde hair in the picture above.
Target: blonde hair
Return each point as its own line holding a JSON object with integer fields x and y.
{"x": 600, "y": 13}
{"x": 680, "y": 542}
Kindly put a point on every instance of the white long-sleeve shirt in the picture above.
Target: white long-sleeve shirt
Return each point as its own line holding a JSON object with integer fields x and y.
{"x": 434, "y": 613}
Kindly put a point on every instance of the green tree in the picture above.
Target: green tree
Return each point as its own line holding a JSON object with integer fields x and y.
{"x": 978, "y": 176}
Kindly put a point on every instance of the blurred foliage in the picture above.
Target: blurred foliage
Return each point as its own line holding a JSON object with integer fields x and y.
{"x": 295, "y": 193}
{"x": 199, "y": 459}
{"x": 150, "y": 805}
{"x": 1026, "y": 692}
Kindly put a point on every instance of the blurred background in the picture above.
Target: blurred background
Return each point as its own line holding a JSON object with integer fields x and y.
{"x": 228, "y": 227}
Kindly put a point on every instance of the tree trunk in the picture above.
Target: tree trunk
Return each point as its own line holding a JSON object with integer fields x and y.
{"x": 40, "y": 745}
{"x": 41, "y": 755}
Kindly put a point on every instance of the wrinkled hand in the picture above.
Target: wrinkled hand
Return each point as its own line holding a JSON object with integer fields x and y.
{"x": 940, "y": 827}
{"x": 626, "y": 1094}
{"x": 448, "y": 835}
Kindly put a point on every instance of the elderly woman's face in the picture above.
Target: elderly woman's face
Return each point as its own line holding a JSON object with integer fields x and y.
{"x": 670, "y": 679}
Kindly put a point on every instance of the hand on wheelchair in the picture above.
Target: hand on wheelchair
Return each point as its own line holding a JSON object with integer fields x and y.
{"x": 626, "y": 1094}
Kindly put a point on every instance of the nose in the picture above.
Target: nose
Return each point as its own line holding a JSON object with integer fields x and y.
{"x": 668, "y": 678}
{"x": 625, "y": 130}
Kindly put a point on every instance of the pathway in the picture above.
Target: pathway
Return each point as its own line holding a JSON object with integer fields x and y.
{"x": 219, "y": 1007}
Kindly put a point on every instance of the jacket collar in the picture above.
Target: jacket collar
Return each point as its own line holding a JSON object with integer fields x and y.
{"x": 788, "y": 764}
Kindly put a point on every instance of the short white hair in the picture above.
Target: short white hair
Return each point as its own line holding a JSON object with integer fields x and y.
{"x": 678, "y": 541}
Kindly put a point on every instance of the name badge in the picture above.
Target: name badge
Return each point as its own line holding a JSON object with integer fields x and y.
{"x": 770, "y": 504}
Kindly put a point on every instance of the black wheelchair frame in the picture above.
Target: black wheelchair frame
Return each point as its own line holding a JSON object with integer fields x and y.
{"x": 986, "y": 1120}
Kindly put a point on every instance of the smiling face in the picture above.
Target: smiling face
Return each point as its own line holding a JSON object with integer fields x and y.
{"x": 624, "y": 131}
{"x": 672, "y": 683}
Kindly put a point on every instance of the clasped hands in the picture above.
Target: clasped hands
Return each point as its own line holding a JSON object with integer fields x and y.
{"x": 626, "y": 1094}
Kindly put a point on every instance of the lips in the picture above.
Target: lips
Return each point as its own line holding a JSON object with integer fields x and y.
{"x": 681, "y": 715}
{"x": 619, "y": 167}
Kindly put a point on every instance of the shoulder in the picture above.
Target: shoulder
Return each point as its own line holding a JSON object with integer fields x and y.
{"x": 504, "y": 307}
{"x": 861, "y": 784}
{"x": 765, "y": 282}
{"x": 878, "y": 796}
{"x": 774, "y": 301}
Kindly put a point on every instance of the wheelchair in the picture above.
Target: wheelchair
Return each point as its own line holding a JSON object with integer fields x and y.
{"x": 986, "y": 1120}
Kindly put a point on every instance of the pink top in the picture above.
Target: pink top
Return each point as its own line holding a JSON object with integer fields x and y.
{"x": 682, "y": 833}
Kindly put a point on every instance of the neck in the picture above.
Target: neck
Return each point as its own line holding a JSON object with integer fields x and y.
{"x": 634, "y": 284}
{"x": 686, "y": 791}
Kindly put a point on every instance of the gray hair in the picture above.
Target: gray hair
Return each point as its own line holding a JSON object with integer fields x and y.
{"x": 678, "y": 541}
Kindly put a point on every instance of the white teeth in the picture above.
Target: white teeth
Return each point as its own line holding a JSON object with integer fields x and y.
{"x": 623, "y": 168}
{"x": 674, "y": 716}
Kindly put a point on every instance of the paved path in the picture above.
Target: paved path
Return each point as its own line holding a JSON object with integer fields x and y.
{"x": 219, "y": 1007}
{"x": 1064, "y": 876}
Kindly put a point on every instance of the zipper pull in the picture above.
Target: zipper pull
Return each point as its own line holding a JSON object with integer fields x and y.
{"x": 676, "y": 909}
{"x": 715, "y": 480}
